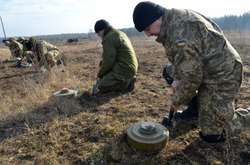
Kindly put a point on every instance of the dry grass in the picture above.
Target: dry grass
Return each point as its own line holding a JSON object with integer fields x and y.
{"x": 36, "y": 128}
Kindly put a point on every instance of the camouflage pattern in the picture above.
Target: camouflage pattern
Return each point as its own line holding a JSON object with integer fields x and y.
{"x": 15, "y": 47}
{"x": 204, "y": 60}
{"x": 119, "y": 62}
{"x": 241, "y": 121}
{"x": 29, "y": 56}
{"x": 46, "y": 54}
{"x": 21, "y": 40}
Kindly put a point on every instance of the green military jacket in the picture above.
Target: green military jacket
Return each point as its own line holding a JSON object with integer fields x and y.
{"x": 200, "y": 53}
{"x": 118, "y": 56}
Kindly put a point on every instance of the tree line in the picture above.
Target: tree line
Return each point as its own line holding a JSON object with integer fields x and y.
{"x": 232, "y": 22}
{"x": 229, "y": 22}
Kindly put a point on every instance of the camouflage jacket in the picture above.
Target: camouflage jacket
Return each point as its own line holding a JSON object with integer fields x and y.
{"x": 41, "y": 49}
{"x": 118, "y": 56}
{"x": 16, "y": 49}
{"x": 199, "y": 51}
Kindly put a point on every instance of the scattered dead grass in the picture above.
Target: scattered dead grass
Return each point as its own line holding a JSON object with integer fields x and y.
{"x": 36, "y": 128}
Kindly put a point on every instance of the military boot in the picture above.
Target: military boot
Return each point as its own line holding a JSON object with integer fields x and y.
{"x": 213, "y": 138}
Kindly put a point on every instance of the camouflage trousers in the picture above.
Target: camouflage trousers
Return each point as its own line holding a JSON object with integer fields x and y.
{"x": 216, "y": 106}
{"x": 111, "y": 83}
{"x": 29, "y": 55}
{"x": 52, "y": 57}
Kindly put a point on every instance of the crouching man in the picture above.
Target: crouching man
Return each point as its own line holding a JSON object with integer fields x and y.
{"x": 204, "y": 61}
{"x": 119, "y": 65}
{"x": 43, "y": 53}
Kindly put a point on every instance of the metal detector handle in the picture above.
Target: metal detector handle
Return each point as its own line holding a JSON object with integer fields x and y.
{"x": 5, "y": 37}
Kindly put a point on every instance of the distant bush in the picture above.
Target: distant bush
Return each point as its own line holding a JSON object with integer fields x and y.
{"x": 72, "y": 40}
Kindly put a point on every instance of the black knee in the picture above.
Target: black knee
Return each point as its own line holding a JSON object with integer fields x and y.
{"x": 213, "y": 138}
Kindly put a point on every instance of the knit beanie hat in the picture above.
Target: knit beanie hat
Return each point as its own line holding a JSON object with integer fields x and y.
{"x": 145, "y": 13}
{"x": 101, "y": 25}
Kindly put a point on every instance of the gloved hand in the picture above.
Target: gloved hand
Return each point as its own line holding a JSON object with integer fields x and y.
{"x": 167, "y": 120}
{"x": 168, "y": 74}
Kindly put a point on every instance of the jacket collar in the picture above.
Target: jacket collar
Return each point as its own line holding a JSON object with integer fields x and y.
{"x": 166, "y": 21}
{"x": 106, "y": 31}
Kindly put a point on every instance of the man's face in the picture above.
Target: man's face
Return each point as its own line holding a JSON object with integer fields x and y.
{"x": 154, "y": 29}
{"x": 101, "y": 33}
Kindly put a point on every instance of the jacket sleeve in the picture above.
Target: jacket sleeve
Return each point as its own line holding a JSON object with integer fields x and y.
{"x": 188, "y": 71}
{"x": 18, "y": 48}
{"x": 49, "y": 46}
{"x": 108, "y": 57}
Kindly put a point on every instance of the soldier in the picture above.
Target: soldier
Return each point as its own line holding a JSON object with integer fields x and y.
{"x": 204, "y": 61}
{"x": 16, "y": 48}
{"x": 27, "y": 53}
{"x": 27, "y": 50}
{"x": 21, "y": 40}
{"x": 43, "y": 53}
{"x": 119, "y": 65}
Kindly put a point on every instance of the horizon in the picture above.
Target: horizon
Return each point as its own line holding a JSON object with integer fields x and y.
{"x": 52, "y": 17}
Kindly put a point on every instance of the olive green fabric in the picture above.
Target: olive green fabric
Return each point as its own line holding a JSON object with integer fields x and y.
{"x": 118, "y": 56}
{"x": 109, "y": 83}
{"x": 119, "y": 63}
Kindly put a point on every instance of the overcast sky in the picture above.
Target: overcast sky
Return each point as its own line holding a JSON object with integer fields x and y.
{"x": 36, "y": 17}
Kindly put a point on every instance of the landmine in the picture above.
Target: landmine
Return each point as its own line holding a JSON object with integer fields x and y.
{"x": 147, "y": 136}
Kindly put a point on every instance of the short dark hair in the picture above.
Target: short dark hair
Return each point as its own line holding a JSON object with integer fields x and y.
{"x": 101, "y": 25}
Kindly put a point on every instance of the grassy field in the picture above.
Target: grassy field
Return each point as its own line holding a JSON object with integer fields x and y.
{"x": 36, "y": 128}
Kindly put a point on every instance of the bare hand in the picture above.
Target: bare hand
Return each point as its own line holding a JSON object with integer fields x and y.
{"x": 174, "y": 85}
{"x": 173, "y": 108}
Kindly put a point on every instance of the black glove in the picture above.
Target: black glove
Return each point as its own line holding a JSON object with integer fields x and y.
{"x": 4, "y": 40}
{"x": 168, "y": 74}
{"x": 167, "y": 120}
